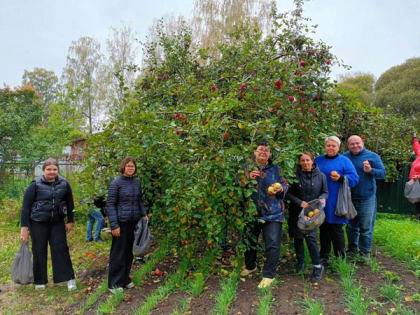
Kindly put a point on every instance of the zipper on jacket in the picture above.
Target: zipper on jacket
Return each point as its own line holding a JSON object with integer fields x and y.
{"x": 53, "y": 200}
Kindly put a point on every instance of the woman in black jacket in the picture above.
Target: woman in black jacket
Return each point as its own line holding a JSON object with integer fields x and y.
{"x": 47, "y": 201}
{"x": 124, "y": 207}
{"x": 311, "y": 184}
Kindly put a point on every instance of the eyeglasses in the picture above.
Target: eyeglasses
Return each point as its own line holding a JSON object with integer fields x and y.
{"x": 263, "y": 150}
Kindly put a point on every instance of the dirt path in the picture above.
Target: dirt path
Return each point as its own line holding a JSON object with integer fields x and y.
{"x": 373, "y": 282}
{"x": 291, "y": 289}
{"x": 204, "y": 303}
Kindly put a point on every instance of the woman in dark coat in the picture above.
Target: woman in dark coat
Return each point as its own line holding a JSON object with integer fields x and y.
{"x": 125, "y": 208}
{"x": 47, "y": 202}
{"x": 311, "y": 184}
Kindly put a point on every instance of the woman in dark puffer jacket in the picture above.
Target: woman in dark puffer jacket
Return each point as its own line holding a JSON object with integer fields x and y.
{"x": 124, "y": 208}
{"x": 312, "y": 184}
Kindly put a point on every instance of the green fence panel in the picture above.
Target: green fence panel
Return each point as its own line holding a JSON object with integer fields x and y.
{"x": 391, "y": 198}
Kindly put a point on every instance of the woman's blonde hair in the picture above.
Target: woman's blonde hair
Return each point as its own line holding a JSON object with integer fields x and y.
{"x": 333, "y": 138}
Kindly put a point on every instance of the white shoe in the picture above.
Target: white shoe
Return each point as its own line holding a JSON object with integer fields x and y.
{"x": 130, "y": 285}
{"x": 39, "y": 286}
{"x": 115, "y": 290}
{"x": 246, "y": 272}
{"x": 265, "y": 282}
{"x": 71, "y": 285}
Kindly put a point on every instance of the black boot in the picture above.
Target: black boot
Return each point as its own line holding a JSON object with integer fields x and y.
{"x": 317, "y": 274}
{"x": 300, "y": 266}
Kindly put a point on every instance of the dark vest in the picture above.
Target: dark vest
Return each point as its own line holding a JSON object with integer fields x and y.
{"x": 50, "y": 200}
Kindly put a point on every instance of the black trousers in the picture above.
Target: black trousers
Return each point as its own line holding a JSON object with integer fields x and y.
{"x": 272, "y": 232}
{"x": 417, "y": 204}
{"x": 331, "y": 233}
{"x": 121, "y": 256}
{"x": 312, "y": 243}
{"x": 53, "y": 233}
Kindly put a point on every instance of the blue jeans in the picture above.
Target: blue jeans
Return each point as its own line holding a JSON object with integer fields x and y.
{"x": 359, "y": 230}
{"x": 96, "y": 217}
{"x": 272, "y": 233}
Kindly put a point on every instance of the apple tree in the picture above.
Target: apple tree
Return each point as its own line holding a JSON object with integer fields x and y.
{"x": 195, "y": 119}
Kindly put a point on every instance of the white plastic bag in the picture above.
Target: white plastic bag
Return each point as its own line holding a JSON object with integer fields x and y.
{"x": 412, "y": 191}
{"x": 307, "y": 224}
{"x": 142, "y": 237}
{"x": 21, "y": 270}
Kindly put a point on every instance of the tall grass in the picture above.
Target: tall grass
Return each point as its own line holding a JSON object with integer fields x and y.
{"x": 163, "y": 291}
{"x": 265, "y": 297}
{"x": 400, "y": 237}
{"x": 353, "y": 293}
{"x": 227, "y": 292}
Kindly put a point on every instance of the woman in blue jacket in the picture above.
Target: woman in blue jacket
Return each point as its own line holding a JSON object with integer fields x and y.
{"x": 270, "y": 207}
{"x": 335, "y": 167}
{"x": 124, "y": 207}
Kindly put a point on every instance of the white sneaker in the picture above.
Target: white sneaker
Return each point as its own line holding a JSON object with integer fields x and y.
{"x": 130, "y": 285}
{"x": 265, "y": 282}
{"x": 115, "y": 290}
{"x": 71, "y": 285}
{"x": 246, "y": 272}
{"x": 39, "y": 286}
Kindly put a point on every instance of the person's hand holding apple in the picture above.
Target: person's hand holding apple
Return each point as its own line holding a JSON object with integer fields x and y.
{"x": 334, "y": 176}
{"x": 366, "y": 167}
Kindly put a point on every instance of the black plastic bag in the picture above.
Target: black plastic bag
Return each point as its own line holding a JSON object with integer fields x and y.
{"x": 308, "y": 221}
{"x": 142, "y": 237}
{"x": 344, "y": 206}
{"x": 22, "y": 271}
{"x": 412, "y": 191}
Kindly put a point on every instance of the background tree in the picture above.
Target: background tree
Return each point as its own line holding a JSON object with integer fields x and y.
{"x": 361, "y": 83}
{"x": 20, "y": 112}
{"x": 83, "y": 79}
{"x": 399, "y": 88}
{"x": 45, "y": 82}
{"x": 214, "y": 19}
{"x": 120, "y": 65}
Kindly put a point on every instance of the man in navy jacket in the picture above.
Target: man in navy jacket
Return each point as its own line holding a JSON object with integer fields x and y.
{"x": 369, "y": 167}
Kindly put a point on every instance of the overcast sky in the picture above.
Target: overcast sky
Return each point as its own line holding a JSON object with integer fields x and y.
{"x": 369, "y": 35}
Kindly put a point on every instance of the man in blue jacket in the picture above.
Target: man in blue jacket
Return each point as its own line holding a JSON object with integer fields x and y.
{"x": 369, "y": 167}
